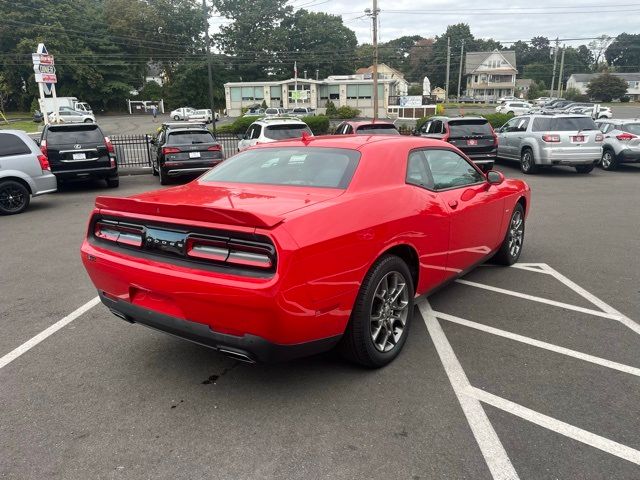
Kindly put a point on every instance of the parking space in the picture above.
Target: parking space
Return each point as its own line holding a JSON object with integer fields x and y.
{"x": 528, "y": 372}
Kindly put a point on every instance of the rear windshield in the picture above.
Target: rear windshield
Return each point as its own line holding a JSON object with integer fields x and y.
{"x": 77, "y": 134}
{"x": 469, "y": 128}
{"x": 569, "y": 124}
{"x": 279, "y": 132}
{"x": 631, "y": 128}
{"x": 378, "y": 130}
{"x": 189, "y": 138}
{"x": 311, "y": 167}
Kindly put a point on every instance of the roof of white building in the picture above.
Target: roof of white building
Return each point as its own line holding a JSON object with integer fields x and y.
{"x": 328, "y": 81}
{"x": 474, "y": 59}
{"x": 587, "y": 77}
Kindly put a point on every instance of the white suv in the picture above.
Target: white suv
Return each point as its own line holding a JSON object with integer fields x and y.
{"x": 515, "y": 108}
{"x": 272, "y": 129}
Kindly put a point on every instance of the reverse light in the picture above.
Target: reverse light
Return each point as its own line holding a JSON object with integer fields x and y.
{"x": 168, "y": 150}
{"x": 238, "y": 252}
{"x": 43, "y": 147}
{"x": 625, "y": 137}
{"x": 44, "y": 162}
{"x": 109, "y": 145}
{"x": 551, "y": 138}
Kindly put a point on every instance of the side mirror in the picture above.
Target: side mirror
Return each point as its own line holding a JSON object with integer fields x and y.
{"x": 494, "y": 177}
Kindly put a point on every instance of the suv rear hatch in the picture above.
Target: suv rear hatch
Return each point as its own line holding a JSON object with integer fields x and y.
{"x": 472, "y": 136}
{"x": 191, "y": 149}
{"x": 284, "y": 131}
{"x": 77, "y": 147}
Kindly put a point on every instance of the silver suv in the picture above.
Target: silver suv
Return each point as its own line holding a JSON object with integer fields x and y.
{"x": 621, "y": 142}
{"x": 550, "y": 140}
{"x": 24, "y": 171}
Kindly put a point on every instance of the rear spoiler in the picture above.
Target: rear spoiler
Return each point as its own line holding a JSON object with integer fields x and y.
{"x": 189, "y": 212}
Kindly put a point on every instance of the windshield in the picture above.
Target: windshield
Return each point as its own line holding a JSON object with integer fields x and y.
{"x": 313, "y": 167}
{"x": 79, "y": 134}
{"x": 280, "y": 132}
{"x": 469, "y": 128}
{"x": 189, "y": 138}
{"x": 377, "y": 130}
{"x": 564, "y": 124}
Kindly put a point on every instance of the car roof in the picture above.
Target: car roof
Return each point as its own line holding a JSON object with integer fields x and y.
{"x": 186, "y": 128}
{"x": 279, "y": 120}
{"x": 448, "y": 119}
{"x": 361, "y": 123}
{"x": 71, "y": 126}
{"x": 356, "y": 142}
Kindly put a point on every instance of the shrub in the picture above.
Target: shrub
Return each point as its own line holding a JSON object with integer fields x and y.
{"x": 332, "y": 112}
{"x": 575, "y": 95}
{"x": 346, "y": 112}
{"x": 497, "y": 119}
{"x": 440, "y": 109}
{"x": 625, "y": 99}
{"x": 240, "y": 125}
{"x": 318, "y": 124}
{"x": 263, "y": 104}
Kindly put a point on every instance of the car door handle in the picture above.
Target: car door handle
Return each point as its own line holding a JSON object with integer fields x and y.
{"x": 453, "y": 203}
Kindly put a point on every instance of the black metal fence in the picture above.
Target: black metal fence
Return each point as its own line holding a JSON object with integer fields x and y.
{"x": 132, "y": 150}
{"x": 229, "y": 142}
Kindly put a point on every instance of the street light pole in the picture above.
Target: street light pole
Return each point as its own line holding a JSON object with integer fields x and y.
{"x": 208, "y": 47}
{"x": 374, "y": 18}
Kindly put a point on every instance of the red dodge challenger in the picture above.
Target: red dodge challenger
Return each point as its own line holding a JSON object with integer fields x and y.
{"x": 291, "y": 248}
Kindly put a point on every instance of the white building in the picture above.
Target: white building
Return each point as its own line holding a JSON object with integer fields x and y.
{"x": 579, "y": 81}
{"x": 341, "y": 90}
{"x": 491, "y": 75}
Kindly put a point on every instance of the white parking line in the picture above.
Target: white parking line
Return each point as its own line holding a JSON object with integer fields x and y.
{"x": 537, "y": 343}
{"x": 567, "y": 306}
{"x": 29, "y": 344}
{"x": 494, "y": 453}
{"x": 558, "y": 426}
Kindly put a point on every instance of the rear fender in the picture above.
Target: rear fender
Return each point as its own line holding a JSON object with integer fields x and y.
{"x": 20, "y": 176}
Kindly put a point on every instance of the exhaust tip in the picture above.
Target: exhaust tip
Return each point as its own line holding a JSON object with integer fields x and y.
{"x": 121, "y": 315}
{"x": 242, "y": 357}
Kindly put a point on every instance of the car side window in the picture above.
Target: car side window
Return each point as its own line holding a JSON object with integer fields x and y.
{"x": 425, "y": 127}
{"x": 348, "y": 129}
{"x": 604, "y": 127}
{"x": 10, "y": 144}
{"x": 450, "y": 170}
{"x": 256, "y": 131}
{"x": 436, "y": 126}
{"x": 510, "y": 126}
{"x": 340, "y": 129}
{"x": 523, "y": 124}
{"x": 418, "y": 171}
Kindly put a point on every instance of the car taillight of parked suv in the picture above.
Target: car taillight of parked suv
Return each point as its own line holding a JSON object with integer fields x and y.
{"x": 80, "y": 151}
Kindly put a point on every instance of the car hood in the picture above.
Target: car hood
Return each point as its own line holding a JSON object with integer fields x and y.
{"x": 234, "y": 204}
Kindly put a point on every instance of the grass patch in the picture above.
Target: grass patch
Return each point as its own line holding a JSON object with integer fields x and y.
{"x": 28, "y": 126}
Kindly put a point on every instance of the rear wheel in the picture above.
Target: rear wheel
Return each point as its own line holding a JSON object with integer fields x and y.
{"x": 176, "y": 118}
{"x": 527, "y": 162}
{"x": 608, "y": 161}
{"x": 14, "y": 197}
{"x": 113, "y": 182}
{"x": 510, "y": 113}
{"x": 163, "y": 177}
{"x": 512, "y": 245}
{"x": 88, "y": 120}
{"x": 381, "y": 316}
{"x": 584, "y": 168}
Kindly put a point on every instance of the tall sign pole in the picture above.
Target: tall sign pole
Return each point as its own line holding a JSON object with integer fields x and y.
{"x": 208, "y": 47}
{"x": 555, "y": 62}
{"x": 446, "y": 82}
{"x": 460, "y": 70}
{"x": 374, "y": 19}
{"x": 564, "y": 47}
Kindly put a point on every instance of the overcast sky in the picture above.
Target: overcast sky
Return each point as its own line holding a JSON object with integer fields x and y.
{"x": 505, "y": 20}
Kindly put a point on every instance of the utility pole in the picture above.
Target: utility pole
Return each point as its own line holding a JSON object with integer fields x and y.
{"x": 555, "y": 61}
{"x": 446, "y": 82}
{"x": 374, "y": 18}
{"x": 208, "y": 47}
{"x": 460, "y": 70}
{"x": 564, "y": 47}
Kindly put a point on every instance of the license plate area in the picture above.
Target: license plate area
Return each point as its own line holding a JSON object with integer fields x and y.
{"x": 79, "y": 156}
{"x": 194, "y": 154}
{"x": 472, "y": 142}
{"x": 577, "y": 139}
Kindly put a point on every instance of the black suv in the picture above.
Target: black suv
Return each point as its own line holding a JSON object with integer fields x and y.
{"x": 183, "y": 150}
{"x": 79, "y": 151}
{"x": 473, "y": 135}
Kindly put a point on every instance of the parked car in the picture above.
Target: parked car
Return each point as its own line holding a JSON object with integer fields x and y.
{"x": 557, "y": 107}
{"x": 269, "y": 257}
{"x": 184, "y": 151}
{"x": 24, "y": 172}
{"x": 302, "y": 112}
{"x": 621, "y": 142}
{"x": 38, "y": 116}
{"x": 182, "y": 113}
{"x": 268, "y": 130}
{"x": 473, "y": 135}
{"x": 367, "y": 127}
{"x": 67, "y": 115}
{"x": 274, "y": 111}
{"x": 544, "y": 140}
{"x": 514, "y": 108}
{"x": 508, "y": 98}
{"x": 553, "y": 101}
{"x": 80, "y": 151}
{"x": 542, "y": 100}
{"x": 203, "y": 115}
{"x": 254, "y": 112}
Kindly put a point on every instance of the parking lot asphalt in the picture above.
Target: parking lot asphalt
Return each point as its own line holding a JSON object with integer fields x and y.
{"x": 528, "y": 372}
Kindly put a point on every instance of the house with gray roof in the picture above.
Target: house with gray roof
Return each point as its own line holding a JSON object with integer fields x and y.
{"x": 580, "y": 81}
{"x": 490, "y": 75}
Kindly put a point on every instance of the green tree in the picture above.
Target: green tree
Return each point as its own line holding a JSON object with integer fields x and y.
{"x": 624, "y": 52}
{"x": 606, "y": 87}
{"x": 536, "y": 90}
{"x": 150, "y": 91}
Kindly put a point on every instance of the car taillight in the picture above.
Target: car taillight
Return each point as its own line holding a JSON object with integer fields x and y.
{"x": 599, "y": 137}
{"x": 551, "y": 138}
{"x": 238, "y": 252}
{"x": 109, "y": 145}
{"x": 168, "y": 150}
{"x": 625, "y": 137}
{"x": 43, "y": 147}
{"x": 214, "y": 148}
{"x": 118, "y": 233}
{"x": 44, "y": 162}
{"x": 495, "y": 137}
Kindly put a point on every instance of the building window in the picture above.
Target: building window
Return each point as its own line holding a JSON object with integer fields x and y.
{"x": 236, "y": 95}
{"x": 276, "y": 93}
{"x": 247, "y": 93}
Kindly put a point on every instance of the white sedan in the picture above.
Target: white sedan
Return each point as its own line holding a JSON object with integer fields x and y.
{"x": 182, "y": 113}
{"x": 71, "y": 116}
{"x": 203, "y": 115}
{"x": 514, "y": 108}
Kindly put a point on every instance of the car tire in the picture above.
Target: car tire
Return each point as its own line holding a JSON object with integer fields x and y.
{"x": 510, "y": 113}
{"x": 14, "y": 197}
{"x": 154, "y": 170}
{"x": 511, "y": 247}
{"x": 113, "y": 182}
{"x": 608, "y": 160}
{"x": 374, "y": 340}
{"x": 585, "y": 168}
{"x": 88, "y": 120}
{"x": 176, "y": 118}
{"x": 527, "y": 162}
{"x": 163, "y": 177}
